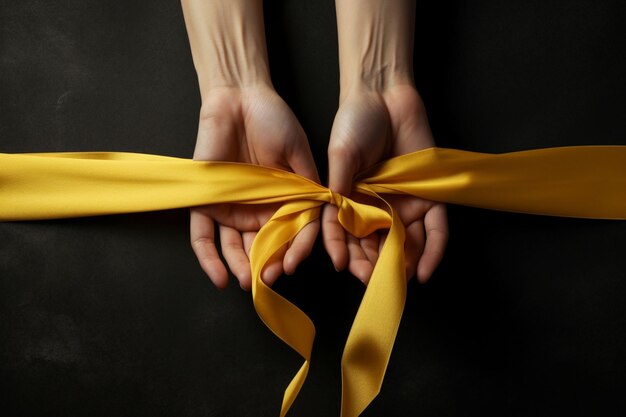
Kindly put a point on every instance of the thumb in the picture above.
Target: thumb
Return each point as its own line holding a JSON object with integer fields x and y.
{"x": 359, "y": 137}
{"x": 342, "y": 167}
{"x": 341, "y": 170}
{"x": 300, "y": 158}
{"x": 217, "y": 138}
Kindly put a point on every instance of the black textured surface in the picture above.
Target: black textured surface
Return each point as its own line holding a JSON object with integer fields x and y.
{"x": 112, "y": 316}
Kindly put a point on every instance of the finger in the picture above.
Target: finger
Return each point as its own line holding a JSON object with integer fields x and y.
{"x": 202, "y": 233}
{"x": 301, "y": 160}
{"x": 369, "y": 244}
{"x": 413, "y": 246}
{"x": 360, "y": 266}
{"x": 242, "y": 217}
{"x": 409, "y": 208}
{"x": 436, "y": 226}
{"x": 273, "y": 269}
{"x": 334, "y": 238}
{"x": 232, "y": 249}
{"x": 248, "y": 239}
{"x": 301, "y": 247}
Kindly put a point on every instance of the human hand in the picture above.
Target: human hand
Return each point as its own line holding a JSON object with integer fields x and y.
{"x": 253, "y": 125}
{"x": 372, "y": 125}
{"x": 242, "y": 119}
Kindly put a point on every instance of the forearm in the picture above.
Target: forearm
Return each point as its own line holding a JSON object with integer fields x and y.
{"x": 227, "y": 39}
{"x": 375, "y": 43}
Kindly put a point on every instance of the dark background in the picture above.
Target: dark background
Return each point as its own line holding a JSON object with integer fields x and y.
{"x": 112, "y": 316}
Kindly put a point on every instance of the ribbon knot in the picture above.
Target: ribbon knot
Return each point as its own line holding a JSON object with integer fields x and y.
{"x": 335, "y": 198}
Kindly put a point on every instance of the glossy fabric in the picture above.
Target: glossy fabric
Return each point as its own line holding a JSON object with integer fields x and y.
{"x": 577, "y": 181}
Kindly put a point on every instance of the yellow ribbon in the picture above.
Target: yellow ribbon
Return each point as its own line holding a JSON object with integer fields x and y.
{"x": 577, "y": 181}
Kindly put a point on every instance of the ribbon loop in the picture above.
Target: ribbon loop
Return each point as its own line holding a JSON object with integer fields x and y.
{"x": 362, "y": 219}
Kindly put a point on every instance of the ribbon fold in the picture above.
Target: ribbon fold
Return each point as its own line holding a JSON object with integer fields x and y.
{"x": 576, "y": 181}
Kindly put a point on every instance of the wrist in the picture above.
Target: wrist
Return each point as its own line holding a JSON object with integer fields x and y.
{"x": 379, "y": 81}
{"x": 375, "y": 44}
{"x": 236, "y": 61}
{"x": 244, "y": 76}
{"x": 233, "y": 100}
{"x": 227, "y": 40}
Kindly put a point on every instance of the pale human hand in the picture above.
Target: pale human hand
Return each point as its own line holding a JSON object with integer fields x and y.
{"x": 371, "y": 126}
{"x": 250, "y": 124}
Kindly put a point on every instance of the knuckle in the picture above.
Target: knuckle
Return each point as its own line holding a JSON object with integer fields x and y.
{"x": 340, "y": 150}
{"x": 200, "y": 241}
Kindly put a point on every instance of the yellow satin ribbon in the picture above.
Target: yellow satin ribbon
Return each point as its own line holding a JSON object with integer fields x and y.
{"x": 577, "y": 181}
